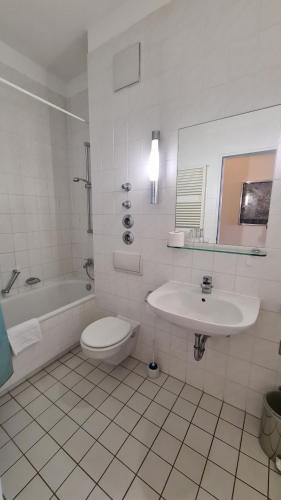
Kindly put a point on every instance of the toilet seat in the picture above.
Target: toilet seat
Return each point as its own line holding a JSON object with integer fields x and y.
{"x": 105, "y": 332}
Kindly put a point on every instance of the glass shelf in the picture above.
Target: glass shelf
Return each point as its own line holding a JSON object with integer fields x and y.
{"x": 206, "y": 247}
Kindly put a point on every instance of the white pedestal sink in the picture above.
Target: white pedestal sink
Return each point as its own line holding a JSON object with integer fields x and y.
{"x": 219, "y": 313}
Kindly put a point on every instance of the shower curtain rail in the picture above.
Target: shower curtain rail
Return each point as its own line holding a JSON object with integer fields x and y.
{"x": 40, "y": 99}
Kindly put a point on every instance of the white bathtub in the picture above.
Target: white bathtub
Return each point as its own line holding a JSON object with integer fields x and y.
{"x": 64, "y": 309}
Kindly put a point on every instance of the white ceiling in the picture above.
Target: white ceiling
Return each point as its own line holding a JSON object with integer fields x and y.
{"x": 53, "y": 33}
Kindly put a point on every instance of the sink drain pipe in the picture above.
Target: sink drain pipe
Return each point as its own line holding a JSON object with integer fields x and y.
{"x": 199, "y": 346}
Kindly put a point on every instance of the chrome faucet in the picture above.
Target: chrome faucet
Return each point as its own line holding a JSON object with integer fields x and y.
{"x": 7, "y": 289}
{"x": 207, "y": 284}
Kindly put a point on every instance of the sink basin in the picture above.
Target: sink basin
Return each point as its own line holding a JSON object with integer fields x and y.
{"x": 218, "y": 313}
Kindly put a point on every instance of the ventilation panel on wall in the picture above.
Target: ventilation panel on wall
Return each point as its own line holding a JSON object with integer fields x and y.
{"x": 126, "y": 67}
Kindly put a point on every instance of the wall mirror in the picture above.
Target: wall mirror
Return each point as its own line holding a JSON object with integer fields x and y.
{"x": 224, "y": 181}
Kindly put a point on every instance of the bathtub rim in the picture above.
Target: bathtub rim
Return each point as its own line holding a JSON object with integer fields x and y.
{"x": 58, "y": 310}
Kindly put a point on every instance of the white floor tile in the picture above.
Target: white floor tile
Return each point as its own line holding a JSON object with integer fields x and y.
{"x": 50, "y": 417}
{"x": 120, "y": 372}
{"x": 108, "y": 384}
{"x": 71, "y": 379}
{"x": 198, "y": 440}
{"x": 113, "y": 437}
{"x": 244, "y": 492}
{"x": 140, "y": 491}
{"x": 174, "y": 385}
{"x": 78, "y": 445}
{"x": 44, "y": 383}
{"x": 68, "y": 401}
{"x": 154, "y": 471}
{"x": 63, "y": 430}
{"x": 96, "y": 376}
{"x": 250, "y": 446}
{"x": 36, "y": 489}
{"x": 232, "y": 415}
{"x": 96, "y": 424}
{"x": 116, "y": 480}
{"x": 110, "y": 407}
{"x": 138, "y": 402}
{"x": 148, "y": 389}
{"x": 179, "y": 487}
{"x": 175, "y": 425}
{"x": 4, "y": 438}
{"x": 132, "y": 453}
{"x": 211, "y": 404}
{"x": 123, "y": 393}
{"x": 145, "y": 431}
{"x": 98, "y": 494}
{"x": 36, "y": 407}
{"x": 252, "y": 425}
{"x": 57, "y": 469}
{"x": 156, "y": 413}
{"x": 84, "y": 369}
{"x": 229, "y": 433}
{"x": 224, "y": 455}
{"x": 96, "y": 461}
{"x": 218, "y": 482}
{"x": 27, "y": 395}
{"x": 77, "y": 485}
{"x": 29, "y": 436}
{"x": 133, "y": 380}
{"x": 274, "y": 485}
{"x": 60, "y": 372}
{"x": 15, "y": 479}
{"x": 165, "y": 398}
{"x": 191, "y": 393}
{"x": 190, "y": 463}
{"x": 81, "y": 412}
{"x": 96, "y": 397}
{"x": 205, "y": 420}
{"x": 17, "y": 422}
{"x": 204, "y": 495}
{"x": 56, "y": 392}
{"x": 166, "y": 446}
{"x": 8, "y": 410}
{"x": 9, "y": 454}
{"x": 127, "y": 418}
{"x": 42, "y": 451}
{"x": 184, "y": 409}
{"x": 253, "y": 473}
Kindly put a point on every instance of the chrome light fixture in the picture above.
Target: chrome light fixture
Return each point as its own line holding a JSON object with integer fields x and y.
{"x": 153, "y": 167}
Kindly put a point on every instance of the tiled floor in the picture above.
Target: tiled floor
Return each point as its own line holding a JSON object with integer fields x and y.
{"x": 78, "y": 431}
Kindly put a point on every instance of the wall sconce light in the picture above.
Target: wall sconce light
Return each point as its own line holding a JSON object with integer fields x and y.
{"x": 153, "y": 167}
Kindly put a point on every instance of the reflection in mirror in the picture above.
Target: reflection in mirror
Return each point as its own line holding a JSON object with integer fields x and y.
{"x": 245, "y": 199}
{"x": 224, "y": 179}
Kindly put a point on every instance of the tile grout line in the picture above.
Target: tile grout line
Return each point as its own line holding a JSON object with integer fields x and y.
{"x": 208, "y": 454}
{"x": 236, "y": 468}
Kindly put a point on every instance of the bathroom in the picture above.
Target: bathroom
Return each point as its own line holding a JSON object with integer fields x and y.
{"x": 83, "y": 211}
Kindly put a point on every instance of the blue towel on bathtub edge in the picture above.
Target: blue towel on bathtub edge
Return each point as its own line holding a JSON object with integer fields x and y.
{"x": 6, "y": 365}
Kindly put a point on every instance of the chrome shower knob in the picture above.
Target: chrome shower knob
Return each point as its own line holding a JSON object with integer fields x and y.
{"x": 126, "y": 204}
{"x": 127, "y": 186}
{"x": 128, "y": 221}
{"x": 128, "y": 237}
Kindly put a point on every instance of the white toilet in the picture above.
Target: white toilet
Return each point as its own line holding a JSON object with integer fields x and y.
{"x": 111, "y": 339}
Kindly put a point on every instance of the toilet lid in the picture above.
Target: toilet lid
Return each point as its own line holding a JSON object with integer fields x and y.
{"x": 105, "y": 332}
